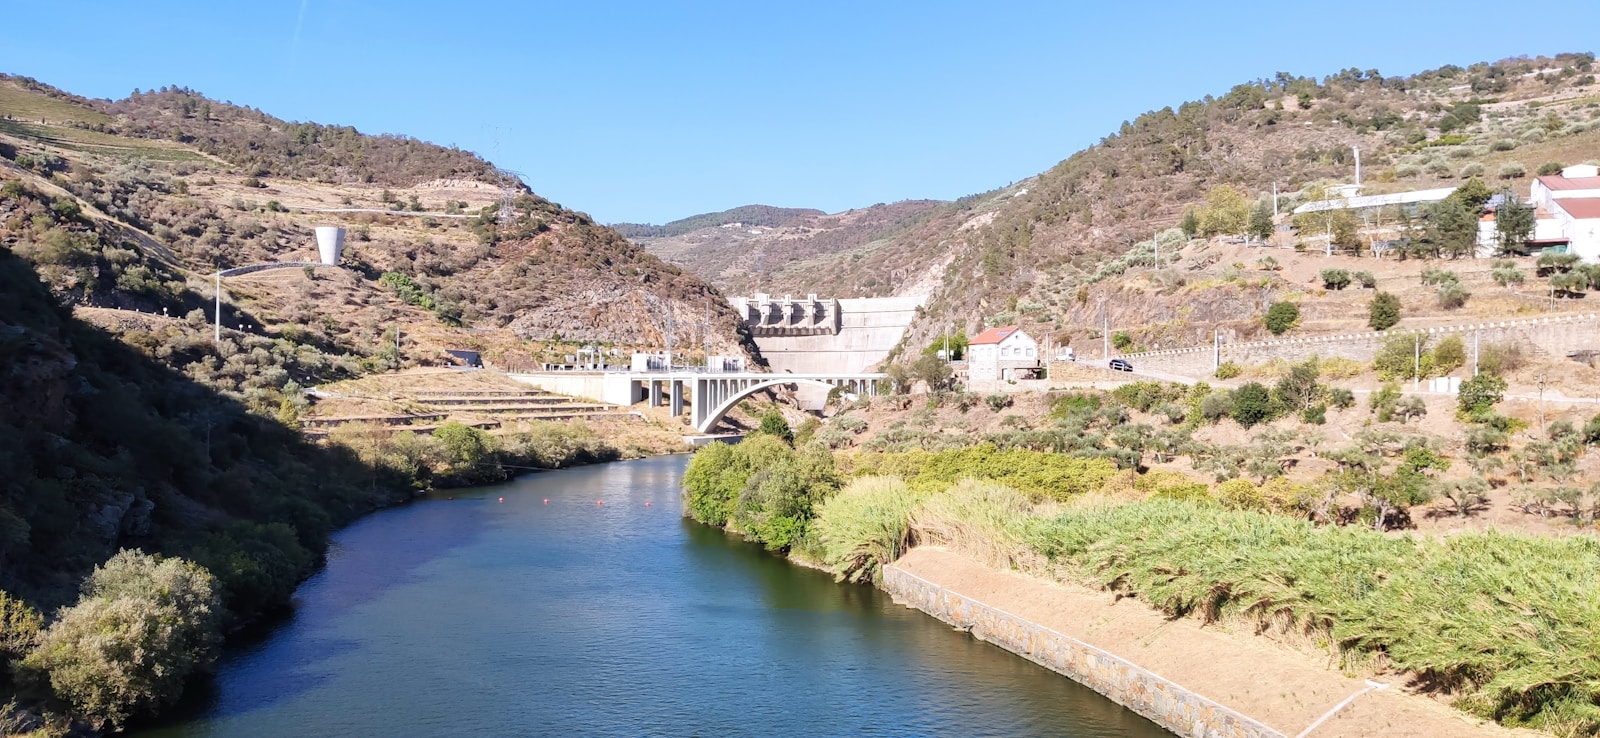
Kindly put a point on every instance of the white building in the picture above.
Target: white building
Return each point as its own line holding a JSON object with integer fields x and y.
{"x": 1572, "y": 199}
{"x": 1002, "y": 353}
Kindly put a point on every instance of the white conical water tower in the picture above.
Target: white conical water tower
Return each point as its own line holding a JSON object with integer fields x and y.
{"x": 330, "y": 244}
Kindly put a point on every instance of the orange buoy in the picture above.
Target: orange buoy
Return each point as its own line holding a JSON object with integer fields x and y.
{"x": 502, "y": 499}
{"x": 647, "y": 503}
{"x": 599, "y": 502}
{"x": 546, "y": 500}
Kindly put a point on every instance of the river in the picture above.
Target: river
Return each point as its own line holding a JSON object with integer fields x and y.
{"x": 580, "y": 602}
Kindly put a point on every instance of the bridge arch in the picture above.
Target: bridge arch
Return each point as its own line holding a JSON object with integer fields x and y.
{"x": 716, "y": 414}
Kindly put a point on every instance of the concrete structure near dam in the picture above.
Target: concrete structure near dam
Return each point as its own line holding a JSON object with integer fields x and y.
{"x": 814, "y": 335}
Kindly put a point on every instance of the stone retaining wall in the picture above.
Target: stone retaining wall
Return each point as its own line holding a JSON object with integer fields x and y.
{"x": 1169, "y": 705}
{"x": 1554, "y": 336}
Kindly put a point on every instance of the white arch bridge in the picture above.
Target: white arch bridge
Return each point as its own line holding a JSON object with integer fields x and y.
{"x": 712, "y": 395}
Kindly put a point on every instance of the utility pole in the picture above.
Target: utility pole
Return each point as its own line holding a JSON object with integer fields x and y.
{"x": 1274, "y": 201}
{"x": 1541, "y": 404}
{"x": 216, "y": 311}
{"x": 1105, "y": 333}
{"x": 1416, "y": 370}
{"x": 1216, "y": 350}
{"x": 1475, "y": 336}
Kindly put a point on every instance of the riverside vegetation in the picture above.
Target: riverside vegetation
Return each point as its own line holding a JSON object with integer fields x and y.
{"x": 1498, "y": 622}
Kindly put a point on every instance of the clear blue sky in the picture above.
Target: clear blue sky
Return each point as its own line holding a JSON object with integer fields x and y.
{"x": 650, "y": 111}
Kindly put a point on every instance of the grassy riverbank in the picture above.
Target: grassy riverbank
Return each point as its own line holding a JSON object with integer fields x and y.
{"x": 1505, "y": 625}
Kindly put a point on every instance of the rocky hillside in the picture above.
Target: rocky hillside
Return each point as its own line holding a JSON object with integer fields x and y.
{"x": 180, "y": 186}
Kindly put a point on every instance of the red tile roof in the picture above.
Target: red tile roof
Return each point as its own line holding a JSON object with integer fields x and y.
{"x": 1582, "y": 208}
{"x": 1557, "y": 182}
{"x": 993, "y": 335}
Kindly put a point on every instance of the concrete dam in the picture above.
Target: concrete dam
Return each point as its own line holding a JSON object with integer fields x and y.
{"x": 818, "y": 335}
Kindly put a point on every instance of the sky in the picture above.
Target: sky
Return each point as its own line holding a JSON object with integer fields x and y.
{"x": 653, "y": 111}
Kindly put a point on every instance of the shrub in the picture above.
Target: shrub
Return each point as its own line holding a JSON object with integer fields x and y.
{"x": 1383, "y": 312}
{"x": 1452, "y": 295}
{"x": 1341, "y": 398}
{"x": 719, "y": 472}
{"x": 1403, "y": 356}
{"x": 1550, "y": 167}
{"x": 19, "y": 629}
{"x": 1228, "y": 370}
{"x": 1450, "y": 354}
{"x": 1472, "y": 170}
{"x": 1040, "y": 475}
{"x": 1121, "y": 341}
{"x": 866, "y": 525}
{"x": 1145, "y": 396}
{"x": 1480, "y": 394}
{"x": 776, "y": 506}
{"x": 1335, "y": 279}
{"x": 1365, "y": 279}
{"x": 1513, "y": 170}
{"x": 143, "y": 625}
{"x": 465, "y": 446}
{"x": 1217, "y": 405}
{"x": 1504, "y": 144}
{"x": 773, "y": 424}
{"x": 1281, "y": 317}
{"x": 1506, "y": 273}
{"x": 1252, "y": 404}
{"x": 998, "y": 401}
{"x": 1315, "y": 415}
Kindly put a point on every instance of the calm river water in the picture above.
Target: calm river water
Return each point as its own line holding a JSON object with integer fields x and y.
{"x": 477, "y": 616}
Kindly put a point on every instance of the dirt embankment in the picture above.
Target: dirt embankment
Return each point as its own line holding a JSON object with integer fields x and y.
{"x": 1284, "y": 687}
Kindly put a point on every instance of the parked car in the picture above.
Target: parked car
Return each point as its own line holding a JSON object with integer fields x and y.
{"x": 1121, "y": 365}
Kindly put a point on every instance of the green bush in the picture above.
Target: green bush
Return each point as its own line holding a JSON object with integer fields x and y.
{"x": 1365, "y": 279}
{"x": 1228, "y": 370}
{"x": 1335, "y": 279}
{"x": 142, "y": 627}
{"x": 719, "y": 472}
{"x": 1281, "y": 317}
{"x": 1252, "y": 404}
{"x": 1480, "y": 394}
{"x": 1383, "y": 312}
{"x": 1341, "y": 398}
{"x": 998, "y": 401}
{"x": 1450, "y": 354}
{"x": 773, "y": 424}
{"x": 776, "y": 505}
{"x": 1121, "y": 341}
{"x": 1144, "y": 396}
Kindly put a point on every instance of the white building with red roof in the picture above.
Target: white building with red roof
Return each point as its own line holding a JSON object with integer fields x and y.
{"x": 1572, "y": 200}
{"x": 1001, "y": 354}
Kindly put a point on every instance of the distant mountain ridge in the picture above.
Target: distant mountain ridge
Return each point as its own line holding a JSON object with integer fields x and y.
{"x": 765, "y": 216}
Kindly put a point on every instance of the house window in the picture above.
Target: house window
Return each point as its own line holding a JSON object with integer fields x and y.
{"x": 1030, "y": 353}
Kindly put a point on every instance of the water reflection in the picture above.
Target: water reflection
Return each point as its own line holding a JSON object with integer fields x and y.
{"x": 596, "y": 614}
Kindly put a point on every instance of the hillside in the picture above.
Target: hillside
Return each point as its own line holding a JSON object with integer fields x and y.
{"x": 1034, "y": 252}
{"x": 182, "y": 186}
{"x": 778, "y": 256}
{"x": 763, "y": 216}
